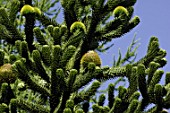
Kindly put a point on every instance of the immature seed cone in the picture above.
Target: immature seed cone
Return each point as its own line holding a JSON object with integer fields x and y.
{"x": 6, "y": 74}
{"x": 90, "y": 56}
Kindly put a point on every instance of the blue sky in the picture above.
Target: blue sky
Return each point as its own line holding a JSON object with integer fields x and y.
{"x": 155, "y": 21}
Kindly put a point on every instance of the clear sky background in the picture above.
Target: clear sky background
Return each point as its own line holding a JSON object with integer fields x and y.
{"x": 155, "y": 21}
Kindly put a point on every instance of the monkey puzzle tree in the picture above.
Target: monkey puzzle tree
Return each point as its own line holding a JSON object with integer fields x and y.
{"x": 44, "y": 64}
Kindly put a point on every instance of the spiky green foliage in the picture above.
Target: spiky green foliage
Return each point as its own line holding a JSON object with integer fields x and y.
{"x": 26, "y": 9}
{"x": 77, "y": 26}
{"x": 37, "y": 11}
{"x": 120, "y": 11}
{"x": 43, "y": 70}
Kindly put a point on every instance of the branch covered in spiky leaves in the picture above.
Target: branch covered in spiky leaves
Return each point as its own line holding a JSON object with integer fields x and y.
{"x": 45, "y": 66}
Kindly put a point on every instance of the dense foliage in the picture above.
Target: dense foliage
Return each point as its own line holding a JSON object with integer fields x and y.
{"x": 45, "y": 65}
